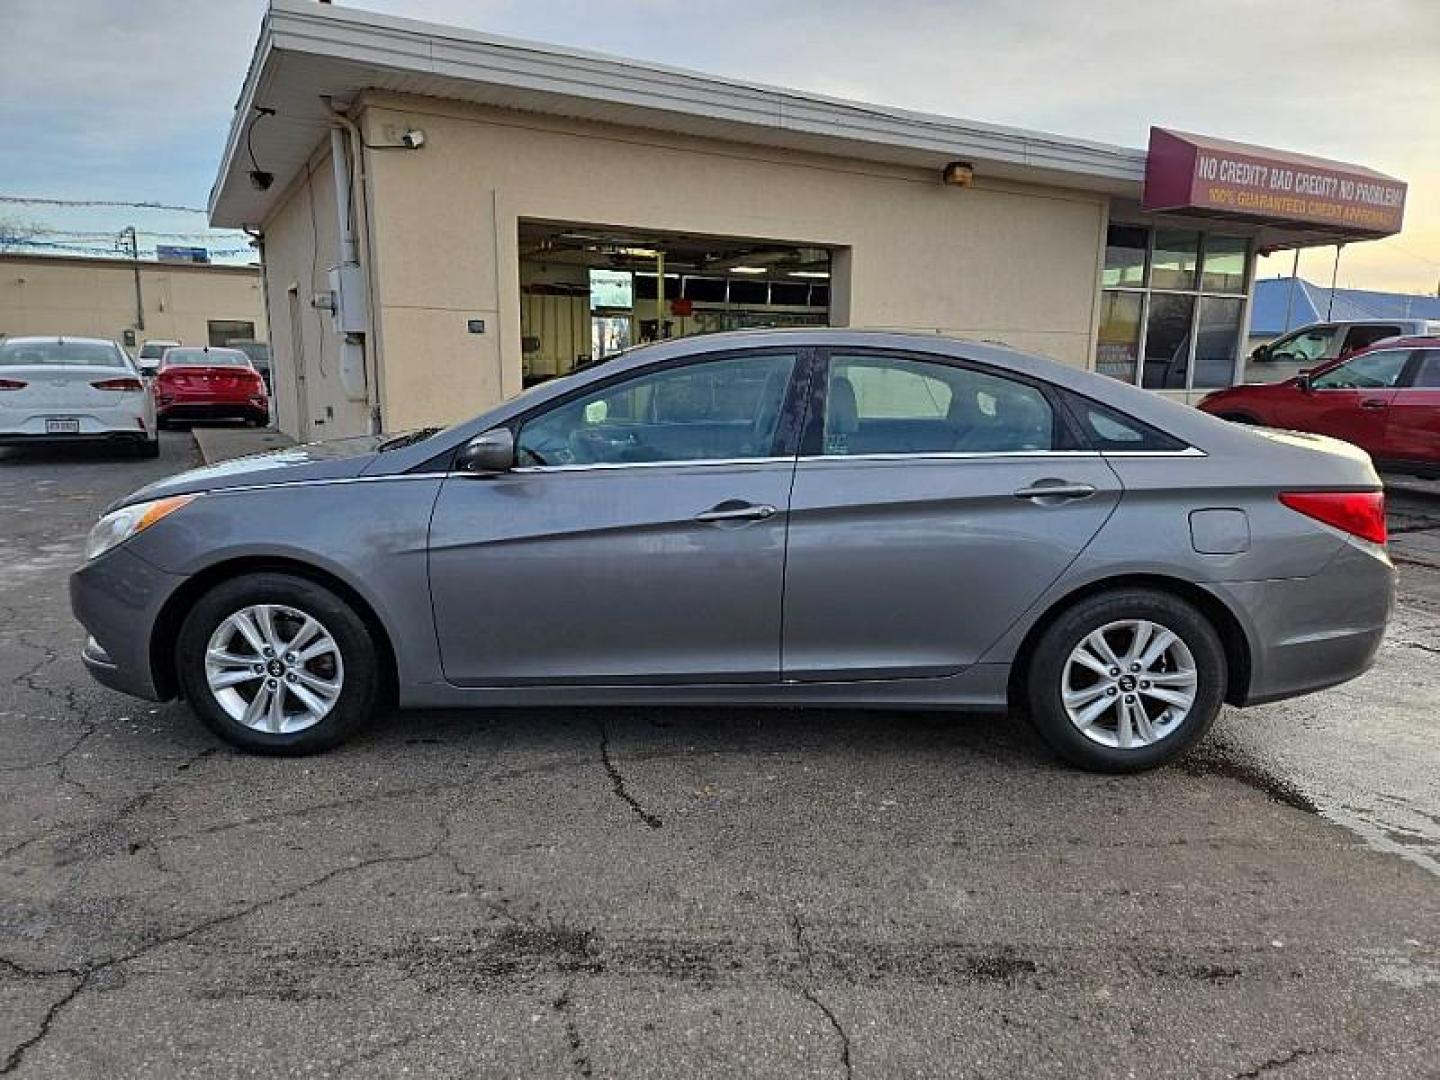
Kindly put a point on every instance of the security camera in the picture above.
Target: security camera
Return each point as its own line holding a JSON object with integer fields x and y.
{"x": 413, "y": 138}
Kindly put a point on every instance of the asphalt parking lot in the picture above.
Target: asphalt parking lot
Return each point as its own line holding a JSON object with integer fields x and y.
{"x": 640, "y": 893}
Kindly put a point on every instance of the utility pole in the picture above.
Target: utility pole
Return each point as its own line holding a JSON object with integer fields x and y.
{"x": 1334, "y": 276}
{"x": 129, "y": 233}
{"x": 1290, "y": 294}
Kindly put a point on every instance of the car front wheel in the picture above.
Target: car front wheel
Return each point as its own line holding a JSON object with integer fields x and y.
{"x": 1126, "y": 680}
{"x": 277, "y": 664}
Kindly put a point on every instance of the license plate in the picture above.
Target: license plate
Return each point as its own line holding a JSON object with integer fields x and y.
{"x": 62, "y": 427}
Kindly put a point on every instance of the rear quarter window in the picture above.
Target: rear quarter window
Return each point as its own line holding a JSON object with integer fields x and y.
{"x": 1110, "y": 430}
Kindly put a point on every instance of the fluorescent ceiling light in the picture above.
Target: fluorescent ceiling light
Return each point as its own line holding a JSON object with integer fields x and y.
{"x": 810, "y": 273}
{"x": 747, "y": 269}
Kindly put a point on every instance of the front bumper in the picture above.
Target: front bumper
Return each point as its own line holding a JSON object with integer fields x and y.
{"x": 118, "y": 598}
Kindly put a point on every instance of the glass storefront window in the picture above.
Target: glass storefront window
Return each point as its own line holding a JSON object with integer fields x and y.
{"x": 1224, "y": 266}
{"x": 1167, "y": 341}
{"x": 1118, "y": 349}
{"x": 1215, "y": 341}
{"x": 1125, "y": 247}
{"x": 1173, "y": 264}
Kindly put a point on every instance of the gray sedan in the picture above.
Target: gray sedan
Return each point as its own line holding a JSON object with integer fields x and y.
{"x": 818, "y": 517}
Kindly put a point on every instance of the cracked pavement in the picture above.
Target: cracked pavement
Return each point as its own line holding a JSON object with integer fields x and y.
{"x": 656, "y": 893}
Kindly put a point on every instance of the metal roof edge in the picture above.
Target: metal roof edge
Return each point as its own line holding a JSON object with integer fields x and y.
{"x": 303, "y": 27}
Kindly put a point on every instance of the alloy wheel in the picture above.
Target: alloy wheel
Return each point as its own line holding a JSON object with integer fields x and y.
{"x": 274, "y": 668}
{"x": 1129, "y": 684}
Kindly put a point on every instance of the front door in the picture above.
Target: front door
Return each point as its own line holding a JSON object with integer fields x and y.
{"x": 934, "y": 504}
{"x": 1350, "y": 401}
{"x": 641, "y": 540}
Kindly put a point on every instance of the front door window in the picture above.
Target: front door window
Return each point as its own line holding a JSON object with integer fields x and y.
{"x": 1369, "y": 371}
{"x": 726, "y": 409}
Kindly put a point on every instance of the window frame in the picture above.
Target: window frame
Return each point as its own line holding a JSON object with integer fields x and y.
{"x": 787, "y": 428}
{"x": 1066, "y": 437}
{"x": 1198, "y": 292}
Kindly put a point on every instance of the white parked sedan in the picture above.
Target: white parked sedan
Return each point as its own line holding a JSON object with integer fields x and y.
{"x": 69, "y": 389}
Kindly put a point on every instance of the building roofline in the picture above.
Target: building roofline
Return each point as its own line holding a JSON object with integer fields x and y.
{"x": 145, "y": 264}
{"x": 367, "y": 51}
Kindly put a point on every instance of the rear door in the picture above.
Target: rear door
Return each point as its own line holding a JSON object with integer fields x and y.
{"x": 1350, "y": 401}
{"x": 933, "y": 502}
{"x": 1413, "y": 431}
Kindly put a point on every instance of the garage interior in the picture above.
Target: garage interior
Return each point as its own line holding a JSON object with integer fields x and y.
{"x": 588, "y": 291}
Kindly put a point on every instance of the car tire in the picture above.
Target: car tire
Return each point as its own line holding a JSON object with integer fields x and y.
{"x": 1240, "y": 418}
{"x": 347, "y": 665}
{"x": 148, "y": 448}
{"x": 1074, "y": 666}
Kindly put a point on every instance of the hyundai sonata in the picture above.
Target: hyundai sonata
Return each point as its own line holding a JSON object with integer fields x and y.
{"x": 817, "y": 517}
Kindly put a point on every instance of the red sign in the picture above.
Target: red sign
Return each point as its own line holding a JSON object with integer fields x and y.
{"x": 682, "y": 306}
{"x": 1196, "y": 173}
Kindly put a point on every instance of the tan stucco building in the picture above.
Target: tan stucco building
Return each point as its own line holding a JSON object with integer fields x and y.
{"x": 196, "y": 304}
{"x": 448, "y": 216}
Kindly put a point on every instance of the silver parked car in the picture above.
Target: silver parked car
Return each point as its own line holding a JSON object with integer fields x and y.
{"x": 813, "y": 517}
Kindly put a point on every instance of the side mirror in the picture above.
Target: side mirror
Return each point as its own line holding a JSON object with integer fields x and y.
{"x": 1302, "y": 380}
{"x": 1261, "y": 353}
{"x": 488, "y": 453}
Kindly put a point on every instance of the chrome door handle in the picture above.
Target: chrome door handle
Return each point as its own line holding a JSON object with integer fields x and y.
{"x": 1056, "y": 490}
{"x": 1374, "y": 403}
{"x": 734, "y": 510}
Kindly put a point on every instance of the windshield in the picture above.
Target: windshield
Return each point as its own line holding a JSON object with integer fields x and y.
{"x": 1312, "y": 344}
{"x": 207, "y": 357}
{"x": 60, "y": 353}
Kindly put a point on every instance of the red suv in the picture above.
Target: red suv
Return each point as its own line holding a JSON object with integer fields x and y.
{"x": 1384, "y": 399}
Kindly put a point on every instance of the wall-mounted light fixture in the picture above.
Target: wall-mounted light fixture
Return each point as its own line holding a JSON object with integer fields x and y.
{"x": 958, "y": 174}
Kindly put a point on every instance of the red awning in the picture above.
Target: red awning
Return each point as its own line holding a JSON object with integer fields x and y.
{"x": 1196, "y": 174}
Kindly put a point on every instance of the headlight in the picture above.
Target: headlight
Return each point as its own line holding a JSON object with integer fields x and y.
{"x": 119, "y": 525}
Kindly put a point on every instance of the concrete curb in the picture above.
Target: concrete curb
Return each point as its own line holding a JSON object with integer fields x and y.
{"x": 224, "y": 444}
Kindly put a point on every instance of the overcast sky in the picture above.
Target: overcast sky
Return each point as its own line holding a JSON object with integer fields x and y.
{"x": 131, "y": 99}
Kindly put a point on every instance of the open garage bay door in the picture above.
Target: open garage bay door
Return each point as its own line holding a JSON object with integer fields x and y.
{"x": 588, "y": 291}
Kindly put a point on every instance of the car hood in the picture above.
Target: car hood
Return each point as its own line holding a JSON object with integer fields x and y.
{"x": 334, "y": 459}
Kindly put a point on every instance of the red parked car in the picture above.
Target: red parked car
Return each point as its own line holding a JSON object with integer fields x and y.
{"x": 1384, "y": 399}
{"x": 209, "y": 384}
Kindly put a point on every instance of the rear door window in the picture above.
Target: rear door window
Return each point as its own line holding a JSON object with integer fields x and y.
{"x": 1361, "y": 337}
{"x": 879, "y": 404}
{"x": 1427, "y": 374}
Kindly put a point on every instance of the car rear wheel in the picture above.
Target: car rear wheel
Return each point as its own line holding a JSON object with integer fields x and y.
{"x": 1126, "y": 680}
{"x": 148, "y": 448}
{"x": 277, "y": 664}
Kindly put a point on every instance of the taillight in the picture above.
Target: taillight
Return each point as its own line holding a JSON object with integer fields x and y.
{"x": 11, "y": 384}
{"x": 1360, "y": 513}
{"x": 123, "y": 385}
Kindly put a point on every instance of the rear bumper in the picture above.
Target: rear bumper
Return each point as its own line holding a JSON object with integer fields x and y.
{"x": 118, "y": 599}
{"x": 102, "y": 423}
{"x": 212, "y": 410}
{"x": 1307, "y": 634}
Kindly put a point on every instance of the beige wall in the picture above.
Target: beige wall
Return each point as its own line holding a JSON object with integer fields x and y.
{"x": 301, "y": 240}
{"x": 96, "y": 298}
{"x": 997, "y": 261}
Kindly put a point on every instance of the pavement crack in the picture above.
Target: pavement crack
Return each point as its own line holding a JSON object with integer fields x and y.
{"x": 807, "y": 990}
{"x": 16, "y": 1056}
{"x": 581, "y": 1060}
{"x": 84, "y": 974}
{"x": 618, "y": 781}
{"x": 1281, "y": 1061}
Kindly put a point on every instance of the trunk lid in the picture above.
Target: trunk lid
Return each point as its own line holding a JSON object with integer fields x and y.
{"x": 65, "y": 386}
